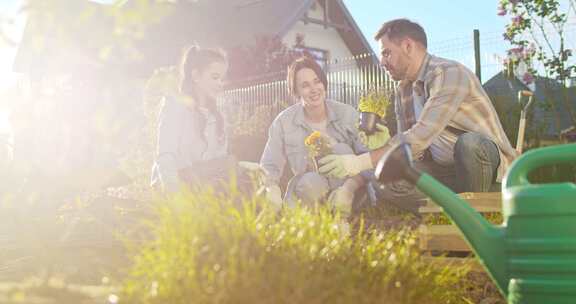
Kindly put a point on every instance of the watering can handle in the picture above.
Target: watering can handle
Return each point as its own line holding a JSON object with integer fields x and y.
{"x": 521, "y": 167}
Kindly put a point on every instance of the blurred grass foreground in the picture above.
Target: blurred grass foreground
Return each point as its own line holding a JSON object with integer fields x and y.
{"x": 204, "y": 247}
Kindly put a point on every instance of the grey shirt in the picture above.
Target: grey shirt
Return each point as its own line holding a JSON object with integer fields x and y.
{"x": 181, "y": 143}
{"x": 289, "y": 130}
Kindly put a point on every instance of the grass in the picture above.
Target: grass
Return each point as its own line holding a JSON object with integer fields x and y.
{"x": 214, "y": 248}
{"x": 32, "y": 292}
{"x": 221, "y": 248}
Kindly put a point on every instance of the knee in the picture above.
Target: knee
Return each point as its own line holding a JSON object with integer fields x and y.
{"x": 311, "y": 187}
{"x": 467, "y": 141}
{"x": 470, "y": 144}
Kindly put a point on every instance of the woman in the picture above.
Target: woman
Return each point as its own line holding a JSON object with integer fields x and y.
{"x": 337, "y": 121}
{"x": 191, "y": 138}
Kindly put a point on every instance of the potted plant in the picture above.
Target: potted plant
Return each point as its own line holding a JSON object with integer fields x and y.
{"x": 372, "y": 107}
{"x": 318, "y": 146}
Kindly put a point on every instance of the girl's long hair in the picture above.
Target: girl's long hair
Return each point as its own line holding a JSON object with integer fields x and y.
{"x": 196, "y": 58}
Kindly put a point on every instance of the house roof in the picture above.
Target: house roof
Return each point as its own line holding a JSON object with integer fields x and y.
{"x": 222, "y": 23}
{"x": 244, "y": 21}
{"x": 547, "y": 92}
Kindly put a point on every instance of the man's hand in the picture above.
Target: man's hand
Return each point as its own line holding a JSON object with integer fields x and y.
{"x": 341, "y": 166}
{"x": 376, "y": 140}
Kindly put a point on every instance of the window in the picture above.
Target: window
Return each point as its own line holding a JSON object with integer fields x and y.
{"x": 320, "y": 55}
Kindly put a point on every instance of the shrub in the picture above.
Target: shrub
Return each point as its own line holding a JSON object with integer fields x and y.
{"x": 211, "y": 248}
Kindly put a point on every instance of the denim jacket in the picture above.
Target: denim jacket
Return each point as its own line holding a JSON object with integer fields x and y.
{"x": 289, "y": 130}
{"x": 180, "y": 144}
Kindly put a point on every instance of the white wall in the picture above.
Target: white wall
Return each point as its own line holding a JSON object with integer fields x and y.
{"x": 316, "y": 36}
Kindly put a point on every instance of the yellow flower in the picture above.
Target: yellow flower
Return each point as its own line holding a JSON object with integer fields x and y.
{"x": 312, "y": 139}
{"x": 375, "y": 102}
{"x": 317, "y": 144}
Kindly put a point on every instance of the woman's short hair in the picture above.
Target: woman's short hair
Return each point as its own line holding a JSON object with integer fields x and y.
{"x": 303, "y": 63}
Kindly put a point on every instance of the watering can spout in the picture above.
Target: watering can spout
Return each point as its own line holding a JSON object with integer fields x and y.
{"x": 531, "y": 256}
{"x": 486, "y": 240}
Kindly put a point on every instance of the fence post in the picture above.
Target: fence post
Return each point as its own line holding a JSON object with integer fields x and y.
{"x": 477, "y": 54}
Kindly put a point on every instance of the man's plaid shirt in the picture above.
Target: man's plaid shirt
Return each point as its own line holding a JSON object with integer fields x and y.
{"x": 453, "y": 97}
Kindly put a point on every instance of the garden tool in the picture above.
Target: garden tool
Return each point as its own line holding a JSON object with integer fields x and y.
{"x": 522, "y": 125}
{"x": 532, "y": 256}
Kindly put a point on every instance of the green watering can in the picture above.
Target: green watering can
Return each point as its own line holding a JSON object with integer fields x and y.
{"x": 532, "y": 255}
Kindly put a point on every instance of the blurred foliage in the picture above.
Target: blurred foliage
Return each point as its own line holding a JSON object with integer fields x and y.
{"x": 114, "y": 29}
{"x": 223, "y": 249}
{"x": 243, "y": 122}
{"x": 264, "y": 59}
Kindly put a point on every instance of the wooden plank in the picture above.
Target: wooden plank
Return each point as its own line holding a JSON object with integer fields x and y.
{"x": 481, "y": 201}
{"x": 441, "y": 238}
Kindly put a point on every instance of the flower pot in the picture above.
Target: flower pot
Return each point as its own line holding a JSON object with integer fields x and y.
{"x": 368, "y": 122}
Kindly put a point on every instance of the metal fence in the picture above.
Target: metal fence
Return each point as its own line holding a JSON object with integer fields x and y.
{"x": 252, "y": 108}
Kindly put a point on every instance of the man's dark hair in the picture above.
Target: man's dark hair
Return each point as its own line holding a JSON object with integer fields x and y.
{"x": 401, "y": 28}
{"x": 302, "y": 63}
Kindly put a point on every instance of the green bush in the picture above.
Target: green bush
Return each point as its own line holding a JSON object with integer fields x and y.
{"x": 210, "y": 248}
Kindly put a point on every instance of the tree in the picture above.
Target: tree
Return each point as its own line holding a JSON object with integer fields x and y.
{"x": 537, "y": 31}
{"x": 265, "y": 59}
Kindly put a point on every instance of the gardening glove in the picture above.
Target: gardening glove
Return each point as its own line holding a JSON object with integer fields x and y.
{"x": 341, "y": 166}
{"x": 341, "y": 198}
{"x": 376, "y": 140}
{"x": 274, "y": 197}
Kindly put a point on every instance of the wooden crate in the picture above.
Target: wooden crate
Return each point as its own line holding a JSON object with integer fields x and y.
{"x": 448, "y": 238}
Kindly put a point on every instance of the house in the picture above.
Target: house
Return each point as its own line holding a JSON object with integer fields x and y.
{"x": 107, "y": 52}
{"x": 549, "y": 112}
{"x": 90, "y": 33}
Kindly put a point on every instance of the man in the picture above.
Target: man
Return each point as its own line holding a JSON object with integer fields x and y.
{"x": 442, "y": 112}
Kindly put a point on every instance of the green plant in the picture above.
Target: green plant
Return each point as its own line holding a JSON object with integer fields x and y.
{"x": 375, "y": 102}
{"x": 210, "y": 248}
{"x": 256, "y": 123}
{"x": 538, "y": 32}
{"x": 441, "y": 218}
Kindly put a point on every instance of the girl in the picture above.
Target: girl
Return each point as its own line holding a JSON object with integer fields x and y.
{"x": 191, "y": 140}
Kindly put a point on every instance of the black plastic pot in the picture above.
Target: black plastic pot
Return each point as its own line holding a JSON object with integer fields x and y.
{"x": 368, "y": 121}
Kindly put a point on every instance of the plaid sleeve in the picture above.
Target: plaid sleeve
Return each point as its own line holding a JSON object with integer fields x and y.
{"x": 448, "y": 87}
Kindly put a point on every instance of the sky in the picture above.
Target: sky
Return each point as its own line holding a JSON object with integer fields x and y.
{"x": 441, "y": 19}
{"x": 448, "y": 24}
